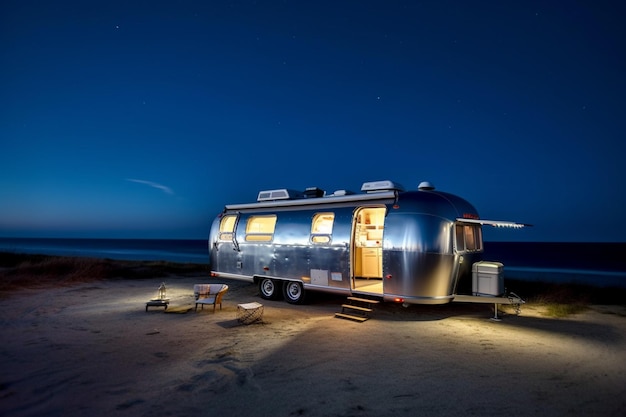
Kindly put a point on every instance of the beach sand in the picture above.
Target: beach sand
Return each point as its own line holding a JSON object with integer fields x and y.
{"x": 90, "y": 348}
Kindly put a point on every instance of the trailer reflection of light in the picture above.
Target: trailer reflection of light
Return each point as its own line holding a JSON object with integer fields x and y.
{"x": 386, "y": 243}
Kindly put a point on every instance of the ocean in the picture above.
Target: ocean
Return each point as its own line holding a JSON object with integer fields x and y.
{"x": 597, "y": 264}
{"x": 173, "y": 250}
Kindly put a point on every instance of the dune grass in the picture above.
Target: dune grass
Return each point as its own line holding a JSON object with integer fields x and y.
{"x": 561, "y": 300}
{"x": 35, "y": 271}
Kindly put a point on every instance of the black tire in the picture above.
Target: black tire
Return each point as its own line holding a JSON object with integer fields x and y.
{"x": 293, "y": 292}
{"x": 270, "y": 289}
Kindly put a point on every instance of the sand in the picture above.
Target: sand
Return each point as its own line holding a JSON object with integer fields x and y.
{"x": 91, "y": 349}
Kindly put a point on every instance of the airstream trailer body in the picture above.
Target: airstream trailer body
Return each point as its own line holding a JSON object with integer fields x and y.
{"x": 415, "y": 247}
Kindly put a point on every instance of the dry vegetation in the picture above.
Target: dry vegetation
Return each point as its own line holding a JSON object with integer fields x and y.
{"x": 560, "y": 300}
{"x": 18, "y": 271}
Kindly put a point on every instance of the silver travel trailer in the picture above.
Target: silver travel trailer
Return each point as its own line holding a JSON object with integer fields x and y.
{"x": 412, "y": 247}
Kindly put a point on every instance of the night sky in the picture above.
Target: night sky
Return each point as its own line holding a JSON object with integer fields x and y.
{"x": 143, "y": 119}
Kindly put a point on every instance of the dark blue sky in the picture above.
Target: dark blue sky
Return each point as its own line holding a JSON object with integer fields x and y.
{"x": 142, "y": 119}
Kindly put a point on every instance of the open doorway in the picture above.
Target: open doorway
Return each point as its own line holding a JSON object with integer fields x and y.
{"x": 367, "y": 259}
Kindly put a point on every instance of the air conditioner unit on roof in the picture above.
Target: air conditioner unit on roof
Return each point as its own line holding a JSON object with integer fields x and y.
{"x": 279, "y": 194}
{"x": 375, "y": 186}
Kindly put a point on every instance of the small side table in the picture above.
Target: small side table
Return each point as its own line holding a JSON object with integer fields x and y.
{"x": 158, "y": 302}
{"x": 249, "y": 313}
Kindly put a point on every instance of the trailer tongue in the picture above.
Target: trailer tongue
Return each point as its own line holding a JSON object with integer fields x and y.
{"x": 511, "y": 299}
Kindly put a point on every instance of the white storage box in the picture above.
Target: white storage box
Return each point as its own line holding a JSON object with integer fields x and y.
{"x": 488, "y": 278}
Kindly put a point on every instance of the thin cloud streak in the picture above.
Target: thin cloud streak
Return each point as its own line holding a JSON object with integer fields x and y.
{"x": 158, "y": 186}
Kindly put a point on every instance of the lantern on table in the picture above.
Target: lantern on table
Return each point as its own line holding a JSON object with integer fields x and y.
{"x": 162, "y": 291}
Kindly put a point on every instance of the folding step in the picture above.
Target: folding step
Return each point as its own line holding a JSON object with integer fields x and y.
{"x": 355, "y": 307}
{"x": 364, "y": 300}
{"x": 351, "y": 317}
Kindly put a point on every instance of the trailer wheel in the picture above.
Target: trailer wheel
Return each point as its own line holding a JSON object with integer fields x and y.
{"x": 269, "y": 289}
{"x": 293, "y": 292}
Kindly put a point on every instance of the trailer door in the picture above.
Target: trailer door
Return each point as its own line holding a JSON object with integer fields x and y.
{"x": 227, "y": 257}
{"x": 367, "y": 244}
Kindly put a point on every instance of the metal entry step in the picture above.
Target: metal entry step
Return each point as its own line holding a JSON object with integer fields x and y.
{"x": 357, "y": 309}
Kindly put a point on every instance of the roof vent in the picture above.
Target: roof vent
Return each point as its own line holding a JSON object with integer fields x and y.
{"x": 280, "y": 194}
{"x": 312, "y": 192}
{"x": 342, "y": 193}
{"x": 376, "y": 186}
{"x": 425, "y": 186}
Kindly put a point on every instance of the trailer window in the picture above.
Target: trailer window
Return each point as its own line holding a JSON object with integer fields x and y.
{"x": 469, "y": 238}
{"x": 260, "y": 228}
{"x": 227, "y": 227}
{"x": 322, "y": 227}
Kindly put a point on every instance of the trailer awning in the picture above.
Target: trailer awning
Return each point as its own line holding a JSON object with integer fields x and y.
{"x": 494, "y": 223}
